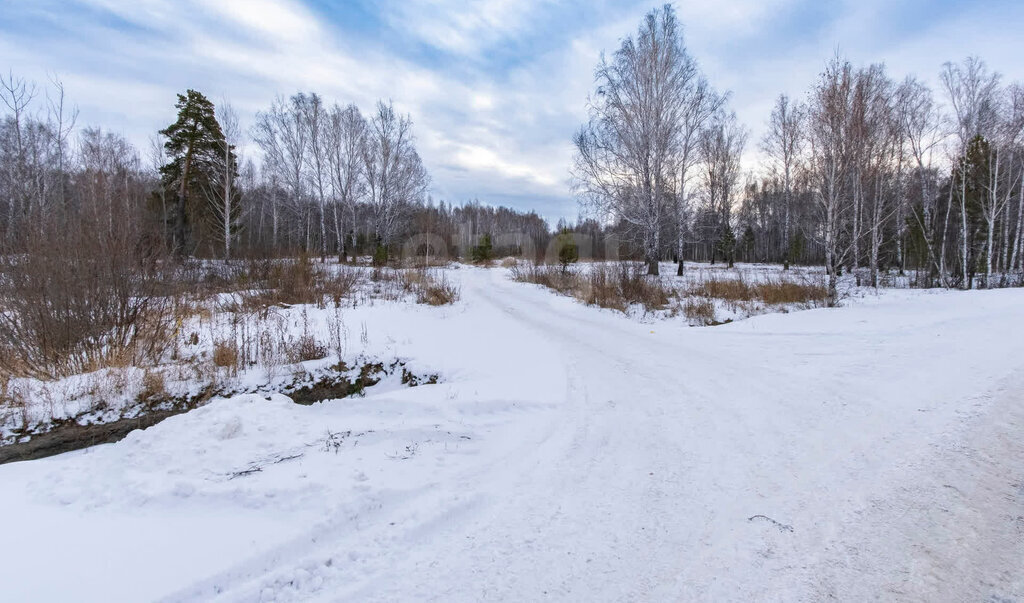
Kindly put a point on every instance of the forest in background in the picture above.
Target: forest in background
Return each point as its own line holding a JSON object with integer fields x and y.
{"x": 867, "y": 173}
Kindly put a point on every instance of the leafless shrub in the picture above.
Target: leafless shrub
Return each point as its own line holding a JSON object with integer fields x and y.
{"x": 13, "y": 398}
{"x": 337, "y": 334}
{"x": 341, "y": 284}
{"x": 269, "y": 352}
{"x": 700, "y": 311}
{"x": 306, "y": 347}
{"x": 79, "y": 294}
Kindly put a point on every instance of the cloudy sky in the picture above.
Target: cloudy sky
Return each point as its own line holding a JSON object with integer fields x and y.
{"x": 495, "y": 88}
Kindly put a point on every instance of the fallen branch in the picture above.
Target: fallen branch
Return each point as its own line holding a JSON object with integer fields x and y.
{"x": 782, "y": 527}
{"x": 256, "y": 468}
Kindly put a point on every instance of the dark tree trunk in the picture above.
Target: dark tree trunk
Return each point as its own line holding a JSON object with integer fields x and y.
{"x": 179, "y": 227}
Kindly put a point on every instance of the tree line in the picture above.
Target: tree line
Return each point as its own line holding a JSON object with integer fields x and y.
{"x": 329, "y": 182}
{"x": 866, "y": 173}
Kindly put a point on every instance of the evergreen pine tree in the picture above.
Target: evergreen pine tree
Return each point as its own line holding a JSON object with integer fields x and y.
{"x": 749, "y": 242}
{"x": 727, "y": 244}
{"x": 194, "y": 147}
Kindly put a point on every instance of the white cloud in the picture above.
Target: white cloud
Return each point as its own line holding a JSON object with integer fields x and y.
{"x": 464, "y": 27}
{"x": 282, "y": 20}
{"x": 486, "y": 128}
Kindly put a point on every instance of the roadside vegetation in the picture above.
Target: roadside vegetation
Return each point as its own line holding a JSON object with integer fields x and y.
{"x": 702, "y": 297}
{"x": 112, "y": 332}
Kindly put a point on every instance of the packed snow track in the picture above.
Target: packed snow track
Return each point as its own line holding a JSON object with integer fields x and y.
{"x": 570, "y": 453}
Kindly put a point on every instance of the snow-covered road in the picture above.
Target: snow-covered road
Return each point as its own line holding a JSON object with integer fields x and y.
{"x": 872, "y": 451}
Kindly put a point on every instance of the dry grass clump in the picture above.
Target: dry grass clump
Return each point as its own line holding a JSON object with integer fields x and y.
{"x": 225, "y": 354}
{"x": 438, "y": 292}
{"x": 637, "y": 287}
{"x": 425, "y": 261}
{"x": 293, "y": 281}
{"x": 153, "y": 389}
{"x": 735, "y": 290}
{"x": 602, "y": 289}
{"x": 616, "y": 287}
{"x": 700, "y": 311}
{"x": 565, "y": 282}
{"x": 297, "y": 281}
{"x": 790, "y": 292}
{"x": 776, "y": 291}
{"x": 306, "y": 347}
{"x": 429, "y": 288}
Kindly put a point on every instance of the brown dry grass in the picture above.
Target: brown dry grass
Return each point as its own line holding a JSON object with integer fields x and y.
{"x": 154, "y": 388}
{"x": 225, "y": 354}
{"x": 438, "y": 293}
{"x": 297, "y": 281}
{"x": 306, "y": 347}
{"x": 428, "y": 286}
{"x": 700, "y": 311}
{"x": 776, "y": 291}
{"x": 608, "y": 286}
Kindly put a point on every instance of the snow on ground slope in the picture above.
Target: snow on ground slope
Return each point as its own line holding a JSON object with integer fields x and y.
{"x": 573, "y": 454}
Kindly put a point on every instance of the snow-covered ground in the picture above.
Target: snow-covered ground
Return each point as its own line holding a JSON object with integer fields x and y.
{"x": 572, "y": 453}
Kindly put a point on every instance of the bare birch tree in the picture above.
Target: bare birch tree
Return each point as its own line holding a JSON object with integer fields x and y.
{"x": 921, "y": 126}
{"x": 282, "y": 138}
{"x": 783, "y": 143}
{"x": 721, "y": 149}
{"x": 829, "y": 133}
{"x": 347, "y": 133}
{"x": 395, "y": 176}
{"x": 224, "y": 195}
{"x": 314, "y": 119}
{"x": 628, "y": 163}
{"x": 971, "y": 91}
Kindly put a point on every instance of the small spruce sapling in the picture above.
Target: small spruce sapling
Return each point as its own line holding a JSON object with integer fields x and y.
{"x": 727, "y": 244}
{"x": 483, "y": 251}
{"x": 568, "y": 251}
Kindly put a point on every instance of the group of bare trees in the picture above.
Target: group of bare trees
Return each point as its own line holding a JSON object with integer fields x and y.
{"x": 327, "y": 180}
{"x": 79, "y": 270}
{"x": 636, "y": 155}
{"x": 52, "y": 173}
{"x": 898, "y": 181}
{"x": 866, "y": 174}
{"x": 321, "y": 163}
